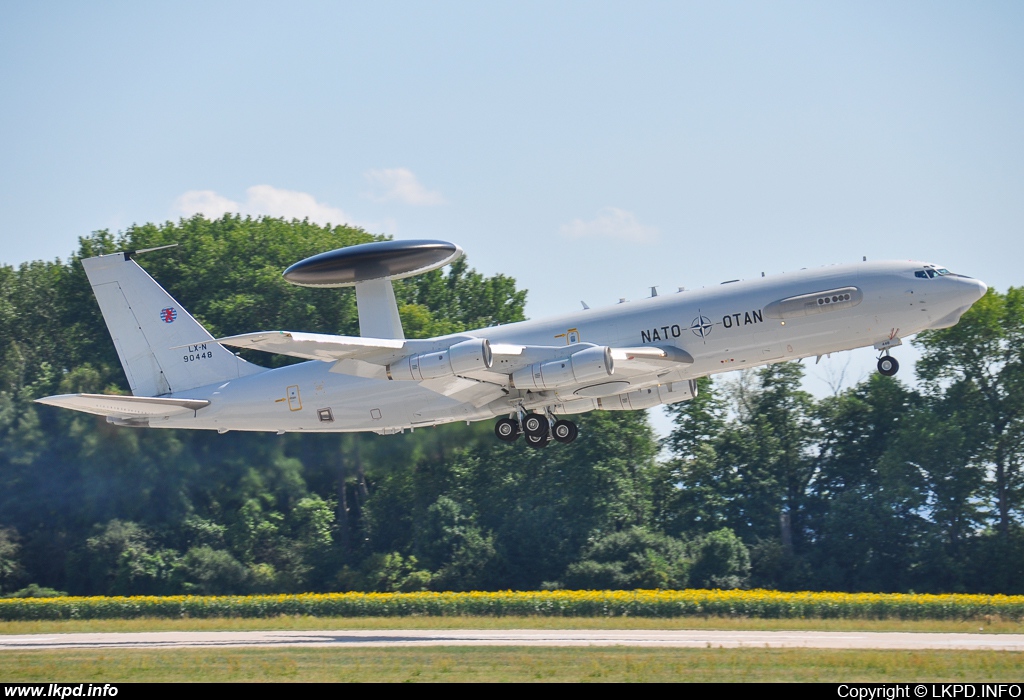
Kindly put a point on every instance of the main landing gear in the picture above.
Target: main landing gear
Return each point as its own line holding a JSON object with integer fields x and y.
{"x": 507, "y": 429}
{"x": 538, "y": 429}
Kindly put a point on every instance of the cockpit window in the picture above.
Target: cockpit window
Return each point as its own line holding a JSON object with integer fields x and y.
{"x": 931, "y": 273}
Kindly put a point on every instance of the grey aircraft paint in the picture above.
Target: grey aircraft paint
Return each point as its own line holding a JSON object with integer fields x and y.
{"x": 654, "y": 349}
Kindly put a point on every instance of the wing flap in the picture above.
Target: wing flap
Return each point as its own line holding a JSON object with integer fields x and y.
{"x": 630, "y": 362}
{"x": 666, "y": 354}
{"x": 465, "y": 390}
{"x": 646, "y": 359}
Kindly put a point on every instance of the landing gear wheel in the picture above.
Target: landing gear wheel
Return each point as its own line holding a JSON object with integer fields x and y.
{"x": 507, "y": 429}
{"x": 888, "y": 366}
{"x": 537, "y": 441}
{"x": 565, "y": 431}
{"x": 535, "y": 426}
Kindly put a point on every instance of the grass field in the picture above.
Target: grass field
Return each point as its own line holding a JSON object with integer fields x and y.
{"x": 491, "y": 664}
{"x": 507, "y": 664}
{"x": 989, "y": 626}
{"x": 497, "y": 664}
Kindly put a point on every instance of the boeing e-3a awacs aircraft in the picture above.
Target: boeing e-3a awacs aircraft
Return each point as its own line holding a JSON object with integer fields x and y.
{"x": 630, "y": 356}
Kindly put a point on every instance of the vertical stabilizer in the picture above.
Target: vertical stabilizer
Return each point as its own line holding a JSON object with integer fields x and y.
{"x": 147, "y": 326}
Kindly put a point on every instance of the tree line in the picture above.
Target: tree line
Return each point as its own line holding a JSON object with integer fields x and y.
{"x": 880, "y": 487}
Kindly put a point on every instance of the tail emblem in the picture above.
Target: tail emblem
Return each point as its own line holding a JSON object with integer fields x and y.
{"x": 169, "y": 314}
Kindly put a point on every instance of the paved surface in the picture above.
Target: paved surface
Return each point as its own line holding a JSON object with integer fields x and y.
{"x": 552, "y": 638}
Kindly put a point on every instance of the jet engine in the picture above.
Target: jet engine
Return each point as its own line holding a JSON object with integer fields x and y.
{"x": 589, "y": 365}
{"x": 467, "y": 356}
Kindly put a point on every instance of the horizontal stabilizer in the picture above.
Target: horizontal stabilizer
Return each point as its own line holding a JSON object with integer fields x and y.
{"x": 125, "y": 406}
{"x": 319, "y": 346}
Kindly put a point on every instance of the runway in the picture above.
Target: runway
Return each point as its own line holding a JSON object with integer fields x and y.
{"x": 519, "y": 638}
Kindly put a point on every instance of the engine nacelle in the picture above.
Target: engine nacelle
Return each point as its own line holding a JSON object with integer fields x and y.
{"x": 467, "y": 356}
{"x": 648, "y": 398}
{"x": 590, "y": 365}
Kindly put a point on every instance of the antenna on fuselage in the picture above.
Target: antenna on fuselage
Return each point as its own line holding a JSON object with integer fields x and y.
{"x": 369, "y": 268}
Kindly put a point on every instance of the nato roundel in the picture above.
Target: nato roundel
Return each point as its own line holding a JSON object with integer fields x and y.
{"x": 370, "y": 261}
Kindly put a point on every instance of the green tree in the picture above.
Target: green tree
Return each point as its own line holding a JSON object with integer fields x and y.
{"x": 452, "y": 545}
{"x": 631, "y": 559}
{"x": 979, "y": 361}
{"x": 865, "y": 511}
{"x": 693, "y": 492}
{"x": 392, "y": 572}
{"x": 934, "y": 451}
{"x": 120, "y": 559}
{"x": 545, "y": 505}
{"x": 720, "y": 560}
{"x": 10, "y": 566}
{"x": 209, "y": 571}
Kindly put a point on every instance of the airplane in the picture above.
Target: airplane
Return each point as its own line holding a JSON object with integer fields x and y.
{"x": 528, "y": 375}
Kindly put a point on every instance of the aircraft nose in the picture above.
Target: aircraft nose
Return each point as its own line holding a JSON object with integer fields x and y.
{"x": 974, "y": 290}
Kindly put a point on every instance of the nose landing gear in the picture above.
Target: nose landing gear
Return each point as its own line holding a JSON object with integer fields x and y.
{"x": 888, "y": 366}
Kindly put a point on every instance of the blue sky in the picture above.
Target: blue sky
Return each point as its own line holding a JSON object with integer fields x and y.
{"x": 588, "y": 149}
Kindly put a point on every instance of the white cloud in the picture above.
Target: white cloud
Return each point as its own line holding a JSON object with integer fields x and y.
{"x": 400, "y": 184}
{"x": 611, "y": 223}
{"x": 290, "y": 204}
{"x": 205, "y": 202}
{"x": 261, "y": 200}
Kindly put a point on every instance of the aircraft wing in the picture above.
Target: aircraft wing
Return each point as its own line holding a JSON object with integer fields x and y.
{"x": 127, "y": 407}
{"x": 466, "y": 390}
{"x": 319, "y": 346}
{"x": 629, "y": 362}
{"x": 367, "y": 357}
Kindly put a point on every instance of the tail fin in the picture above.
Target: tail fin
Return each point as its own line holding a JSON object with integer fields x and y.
{"x": 147, "y": 324}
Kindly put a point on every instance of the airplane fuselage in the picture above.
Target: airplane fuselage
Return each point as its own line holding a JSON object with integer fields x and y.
{"x": 726, "y": 327}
